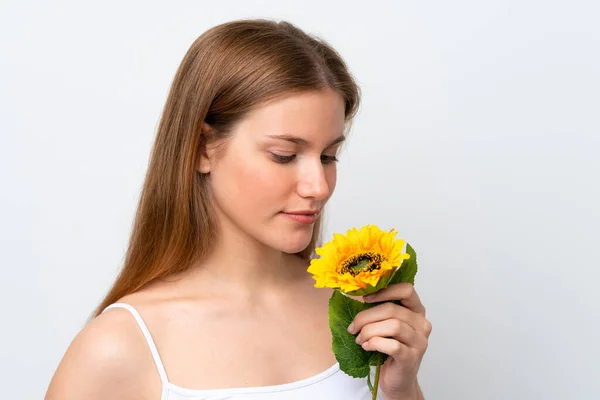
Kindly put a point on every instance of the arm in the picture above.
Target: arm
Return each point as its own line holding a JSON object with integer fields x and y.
{"x": 416, "y": 394}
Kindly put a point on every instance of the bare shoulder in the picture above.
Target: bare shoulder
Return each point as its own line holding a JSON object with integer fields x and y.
{"x": 108, "y": 358}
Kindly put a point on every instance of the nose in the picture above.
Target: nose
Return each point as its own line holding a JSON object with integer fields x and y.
{"x": 313, "y": 182}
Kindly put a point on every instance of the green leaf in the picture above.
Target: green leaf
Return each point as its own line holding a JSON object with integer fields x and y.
{"x": 353, "y": 359}
{"x": 374, "y": 360}
{"x": 407, "y": 270}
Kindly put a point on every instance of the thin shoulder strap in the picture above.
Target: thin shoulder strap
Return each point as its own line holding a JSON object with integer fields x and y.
{"x": 147, "y": 335}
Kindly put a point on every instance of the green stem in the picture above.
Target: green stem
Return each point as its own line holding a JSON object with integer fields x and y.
{"x": 376, "y": 385}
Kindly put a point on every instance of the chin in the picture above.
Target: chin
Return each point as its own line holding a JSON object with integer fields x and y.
{"x": 294, "y": 243}
{"x": 292, "y": 248}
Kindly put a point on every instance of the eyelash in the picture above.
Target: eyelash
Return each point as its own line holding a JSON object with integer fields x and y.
{"x": 288, "y": 159}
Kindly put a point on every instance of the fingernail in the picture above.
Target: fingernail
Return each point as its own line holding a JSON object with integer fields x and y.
{"x": 369, "y": 297}
{"x": 351, "y": 328}
{"x": 358, "y": 339}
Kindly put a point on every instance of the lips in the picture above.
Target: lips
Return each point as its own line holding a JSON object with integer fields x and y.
{"x": 303, "y": 212}
{"x": 302, "y": 217}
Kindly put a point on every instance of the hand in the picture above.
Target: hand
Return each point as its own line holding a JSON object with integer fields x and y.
{"x": 402, "y": 332}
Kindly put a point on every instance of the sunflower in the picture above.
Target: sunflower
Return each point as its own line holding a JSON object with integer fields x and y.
{"x": 360, "y": 262}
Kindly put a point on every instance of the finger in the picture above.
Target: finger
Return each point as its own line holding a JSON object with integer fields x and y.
{"x": 404, "y": 291}
{"x": 391, "y": 347}
{"x": 388, "y": 310}
{"x": 391, "y": 328}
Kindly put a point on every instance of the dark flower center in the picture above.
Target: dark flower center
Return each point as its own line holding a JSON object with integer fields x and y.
{"x": 358, "y": 263}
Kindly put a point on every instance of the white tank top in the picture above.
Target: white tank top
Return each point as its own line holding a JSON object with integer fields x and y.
{"x": 332, "y": 384}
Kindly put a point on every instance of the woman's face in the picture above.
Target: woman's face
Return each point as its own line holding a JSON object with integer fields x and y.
{"x": 278, "y": 169}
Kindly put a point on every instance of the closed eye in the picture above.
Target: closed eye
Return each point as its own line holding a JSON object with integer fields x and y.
{"x": 287, "y": 159}
{"x": 328, "y": 159}
{"x": 283, "y": 159}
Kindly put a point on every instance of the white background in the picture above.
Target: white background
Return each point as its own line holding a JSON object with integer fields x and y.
{"x": 478, "y": 139}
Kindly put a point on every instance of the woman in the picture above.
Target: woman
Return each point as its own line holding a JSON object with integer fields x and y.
{"x": 214, "y": 300}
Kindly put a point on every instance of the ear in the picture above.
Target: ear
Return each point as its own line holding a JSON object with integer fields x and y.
{"x": 204, "y": 161}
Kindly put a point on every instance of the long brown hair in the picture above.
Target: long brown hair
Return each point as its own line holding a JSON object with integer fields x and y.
{"x": 228, "y": 70}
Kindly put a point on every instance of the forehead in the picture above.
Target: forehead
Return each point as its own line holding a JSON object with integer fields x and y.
{"x": 313, "y": 116}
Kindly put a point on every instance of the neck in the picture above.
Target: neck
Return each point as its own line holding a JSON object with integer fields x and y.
{"x": 241, "y": 265}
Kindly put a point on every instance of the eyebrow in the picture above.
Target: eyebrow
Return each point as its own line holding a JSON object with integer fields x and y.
{"x": 300, "y": 141}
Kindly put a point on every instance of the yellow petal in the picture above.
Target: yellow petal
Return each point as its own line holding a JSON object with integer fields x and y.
{"x": 370, "y": 243}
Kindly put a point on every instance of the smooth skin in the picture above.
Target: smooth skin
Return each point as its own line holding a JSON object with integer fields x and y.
{"x": 251, "y": 300}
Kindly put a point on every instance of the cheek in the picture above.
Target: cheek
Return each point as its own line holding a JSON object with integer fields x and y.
{"x": 254, "y": 182}
{"x": 260, "y": 180}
